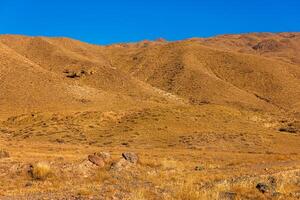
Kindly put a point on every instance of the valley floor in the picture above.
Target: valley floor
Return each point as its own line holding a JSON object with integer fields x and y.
{"x": 184, "y": 152}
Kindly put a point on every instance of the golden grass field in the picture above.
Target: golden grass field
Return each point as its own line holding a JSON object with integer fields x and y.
{"x": 214, "y": 118}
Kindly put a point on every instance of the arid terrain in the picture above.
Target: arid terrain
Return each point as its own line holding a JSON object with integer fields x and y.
{"x": 202, "y": 118}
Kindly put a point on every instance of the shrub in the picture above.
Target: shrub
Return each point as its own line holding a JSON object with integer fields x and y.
{"x": 40, "y": 171}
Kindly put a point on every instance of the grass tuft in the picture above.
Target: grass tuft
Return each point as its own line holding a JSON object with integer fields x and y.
{"x": 40, "y": 171}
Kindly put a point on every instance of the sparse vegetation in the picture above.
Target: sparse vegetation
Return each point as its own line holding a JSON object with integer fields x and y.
{"x": 187, "y": 191}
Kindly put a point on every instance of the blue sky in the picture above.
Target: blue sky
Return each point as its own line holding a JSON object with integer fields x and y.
{"x": 112, "y": 21}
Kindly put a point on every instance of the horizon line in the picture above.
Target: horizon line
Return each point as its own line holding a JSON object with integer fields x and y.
{"x": 146, "y": 39}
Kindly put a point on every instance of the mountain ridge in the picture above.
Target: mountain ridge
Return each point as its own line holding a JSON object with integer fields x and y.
{"x": 199, "y": 70}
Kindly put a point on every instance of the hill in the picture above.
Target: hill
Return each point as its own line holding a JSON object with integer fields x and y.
{"x": 251, "y": 68}
{"x": 209, "y": 118}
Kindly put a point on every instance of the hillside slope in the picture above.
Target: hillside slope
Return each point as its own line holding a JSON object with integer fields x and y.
{"x": 40, "y": 74}
{"x": 235, "y": 70}
{"x": 205, "y": 74}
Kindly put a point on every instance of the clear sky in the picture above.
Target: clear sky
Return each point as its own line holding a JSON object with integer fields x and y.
{"x": 111, "y": 21}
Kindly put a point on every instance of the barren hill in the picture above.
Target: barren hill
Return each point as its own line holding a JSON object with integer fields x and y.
{"x": 256, "y": 71}
{"x": 209, "y": 118}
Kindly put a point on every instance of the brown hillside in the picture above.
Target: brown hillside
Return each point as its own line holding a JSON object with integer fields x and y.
{"x": 203, "y": 74}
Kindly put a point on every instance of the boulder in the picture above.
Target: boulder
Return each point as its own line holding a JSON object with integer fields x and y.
{"x": 84, "y": 169}
{"x": 199, "y": 168}
{"x": 105, "y": 156}
{"x": 73, "y": 74}
{"x": 28, "y": 184}
{"x": 288, "y": 129}
{"x": 96, "y": 160}
{"x": 131, "y": 157}
{"x": 121, "y": 165}
{"x": 262, "y": 187}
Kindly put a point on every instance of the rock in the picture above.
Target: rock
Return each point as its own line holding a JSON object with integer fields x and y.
{"x": 227, "y": 196}
{"x": 291, "y": 127}
{"x": 77, "y": 73}
{"x": 131, "y": 157}
{"x": 272, "y": 181}
{"x": 19, "y": 169}
{"x": 121, "y": 165}
{"x": 105, "y": 156}
{"x": 125, "y": 143}
{"x": 199, "y": 168}
{"x": 262, "y": 187}
{"x": 4, "y": 154}
{"x": 288, "y": 129}
{"x": 96, "y": 160}
{"x": 267, "y": 45}
{"x": 73, "y": 75}
{"x": 84, "y": 169}
{"x": 58, "y": 140}
{"x": 28, "y": 184}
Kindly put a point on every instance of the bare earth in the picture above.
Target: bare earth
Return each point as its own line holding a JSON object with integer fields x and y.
{"x": 213, "y": 118}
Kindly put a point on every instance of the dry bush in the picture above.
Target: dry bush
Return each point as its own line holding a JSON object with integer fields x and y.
{"x": 40, "y": 171}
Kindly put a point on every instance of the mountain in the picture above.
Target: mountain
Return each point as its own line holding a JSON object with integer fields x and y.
{"x": 252, "y": 71}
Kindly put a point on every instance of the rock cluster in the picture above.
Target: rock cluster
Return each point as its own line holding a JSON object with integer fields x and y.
{"x": 262, "y": 187}
{"x": 78, "y": 73}
{"x": 128, "y": 160}
{"x": 293, "y": 127}
{"x": 102, "y": 159}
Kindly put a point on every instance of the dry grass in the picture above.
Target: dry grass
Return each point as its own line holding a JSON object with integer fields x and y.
{"x": 139, "y": 194}
{"x": 186, "y": 191}
{"x": 84, "y": 191}
{"x": 40, "y": 171}
{"x": 168, "y": 164}
{"x": 102, "y": 175}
